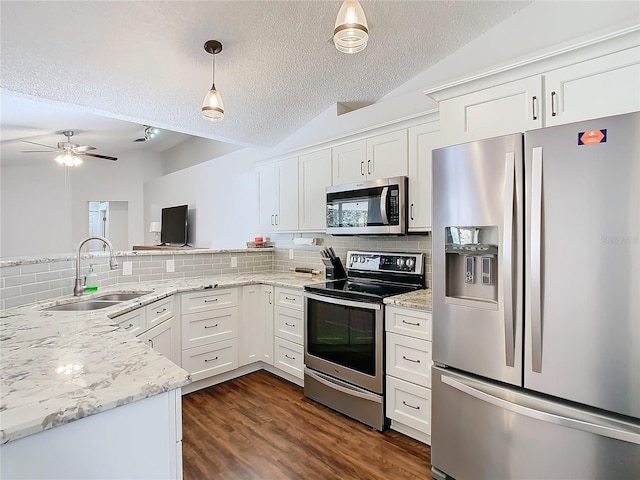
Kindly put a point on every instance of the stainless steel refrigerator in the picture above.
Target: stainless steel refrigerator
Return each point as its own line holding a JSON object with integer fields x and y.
{"x": 536, "y": 304}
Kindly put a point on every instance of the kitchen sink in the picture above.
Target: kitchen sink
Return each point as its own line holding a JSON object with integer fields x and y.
{"x": 82, "y": 306}
{"x": 119, "y": 297}
{"x": 96, "y": 302}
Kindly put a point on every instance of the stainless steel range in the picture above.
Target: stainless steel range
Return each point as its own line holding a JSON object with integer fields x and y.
{"x": 344, "y": 332}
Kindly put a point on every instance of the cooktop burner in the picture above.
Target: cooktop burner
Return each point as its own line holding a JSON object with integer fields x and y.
{"x": 373, "y": 276}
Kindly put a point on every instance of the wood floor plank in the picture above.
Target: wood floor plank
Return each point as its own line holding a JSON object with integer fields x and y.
{"x": 261, "y": 427}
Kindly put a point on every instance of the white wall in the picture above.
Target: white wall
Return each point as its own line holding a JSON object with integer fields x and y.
{"x": 221, "y": 194}
{"x": 43, "y": 213}
{"x": 193, "y": 151}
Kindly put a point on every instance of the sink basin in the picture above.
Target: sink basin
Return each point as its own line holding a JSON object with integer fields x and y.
{"x": 119, "y": 297}
{"x": 82, "y": 306}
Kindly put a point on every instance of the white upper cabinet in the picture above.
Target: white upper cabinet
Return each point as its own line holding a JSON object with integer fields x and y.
{"x": 422, "y": 140}
{"x": 349, "y": 162}
{"x": 314, "y": 175}
{"x": 500, "y": 110}
{"x": 604, "y": 86}
{"x": 278, "y": 195}
{"x": 376, "y": 157}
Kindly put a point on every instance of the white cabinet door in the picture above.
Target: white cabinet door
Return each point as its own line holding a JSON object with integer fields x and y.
{"x": 387, "y": 155}
{"x": 266, "y": 180}
{"x": 165, "y": 339}
{"x": 314, "y": 175}
{"x": 509, "y": 108}
{"x": 604, "y": 86}
{"x": 349, "y": 162}
{"x": 134, "y": 322}
{"x": 256, "y": 336}
{"x": 286, "y": 215}
{"x": 267, "y": 292}
{"x": 422, "y": 140}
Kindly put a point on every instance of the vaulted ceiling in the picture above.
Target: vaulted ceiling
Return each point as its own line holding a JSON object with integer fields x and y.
{"x": 143, "y": 62}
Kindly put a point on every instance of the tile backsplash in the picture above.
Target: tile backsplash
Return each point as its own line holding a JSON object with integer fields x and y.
{"x": 37, "y": 280}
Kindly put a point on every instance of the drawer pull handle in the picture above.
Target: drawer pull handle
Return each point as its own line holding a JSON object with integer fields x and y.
{"x": 410, "y": 359}
{"x": 410, "y": 406}
{"x": 290, "y": 324}
{"x": 290, "y": 358}
{"x": 292, "y": 299}
{"x": 211, "y": 326}
{"x": 208, "y": 301}
{"x": 210, "y": 360}
{"x": 161, "y": 311}
{"x": 130, "y": 325}
{"x": 411, "y": 323}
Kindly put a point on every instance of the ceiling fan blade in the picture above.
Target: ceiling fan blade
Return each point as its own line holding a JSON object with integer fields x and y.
{"x": 98, "y": 156}
{"x": 39, "y": 144}
{"x": 83, "y": 148}
{"x": 140, "y": 140}
{"x": 37, "y": 151}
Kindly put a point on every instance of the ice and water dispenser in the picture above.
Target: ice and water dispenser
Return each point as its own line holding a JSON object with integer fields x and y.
{"x": 471, "y": 266}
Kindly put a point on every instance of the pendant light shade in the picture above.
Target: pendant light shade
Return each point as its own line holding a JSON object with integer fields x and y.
{"x": 351, "y": 32}
{"x": 212, "y": 106}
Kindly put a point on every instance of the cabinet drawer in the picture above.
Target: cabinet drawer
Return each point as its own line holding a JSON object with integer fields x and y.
{"x": 289, "y": 298}
{"x": 209, "y": 300}
{"x": 133, "y": 322}
{"x": 288, "y": 357}
{"x": 409, "y": 359}
{"x": 209, "y": 360}
{"x": 159, "y": 311}
{"x": 409, "y": 404}
{"x": 289, "y": 324}
{"x": 405, "y": 321}
{"x": 208, "y": 327}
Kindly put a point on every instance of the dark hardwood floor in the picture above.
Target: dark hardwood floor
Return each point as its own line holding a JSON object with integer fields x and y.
{"x": 262, "y": 427}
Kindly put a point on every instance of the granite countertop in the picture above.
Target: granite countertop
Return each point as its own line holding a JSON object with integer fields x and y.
{"x": 61, "y": 366}
{"x": 418, "y": 299}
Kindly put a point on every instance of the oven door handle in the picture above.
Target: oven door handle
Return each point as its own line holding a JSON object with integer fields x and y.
{"x": 342, "y": 301}
{"x": 343, "y": 387}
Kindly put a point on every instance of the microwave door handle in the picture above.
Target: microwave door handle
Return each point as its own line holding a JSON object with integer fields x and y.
{"x": 383, "y": 205}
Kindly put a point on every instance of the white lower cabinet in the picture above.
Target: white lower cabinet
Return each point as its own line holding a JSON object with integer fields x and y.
{"x": 209, "y": 332}
{"x": 165, "y": 339}
{"x": 289, "y": 357}
{"x": 288, "y": 343}
{"x": 408, "y": 371}
{"x": 256, "y": 330}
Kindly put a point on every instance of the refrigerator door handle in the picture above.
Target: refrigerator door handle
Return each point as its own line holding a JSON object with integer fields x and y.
{"x": 617, "y": 432}
{"x": 507, "y": 259}
{"x": 536, "y": 261}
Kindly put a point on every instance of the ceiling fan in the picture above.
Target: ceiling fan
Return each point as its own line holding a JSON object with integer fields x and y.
{"x": 149, "y": 133}
{"x": 69, "y": 152}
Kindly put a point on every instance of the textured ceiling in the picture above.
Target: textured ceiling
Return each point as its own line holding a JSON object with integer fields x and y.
{"x": 144, "y": 62}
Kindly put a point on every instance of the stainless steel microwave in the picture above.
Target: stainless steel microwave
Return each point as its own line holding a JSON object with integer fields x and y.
{"x": 377, "y": 207}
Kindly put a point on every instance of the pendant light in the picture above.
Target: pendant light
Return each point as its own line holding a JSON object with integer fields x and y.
{"x": 212, "y": 107}
{"x": 351, "y": 33}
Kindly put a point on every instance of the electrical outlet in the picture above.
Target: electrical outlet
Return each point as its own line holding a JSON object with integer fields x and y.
{"x": 127, "y": 268}
{"x": 171, "y": 266}
{"x": 291, "y": 254}
{"x": 234, "y": 261}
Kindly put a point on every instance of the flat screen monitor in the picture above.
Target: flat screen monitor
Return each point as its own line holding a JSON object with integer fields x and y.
{"x": 174, "y": 225}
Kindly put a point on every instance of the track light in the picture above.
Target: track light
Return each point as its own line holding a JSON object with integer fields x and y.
{"x": 212, "y": 107}
{"x": 351, "y": 33}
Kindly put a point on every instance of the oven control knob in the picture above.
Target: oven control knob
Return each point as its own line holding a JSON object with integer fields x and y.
{"x": 400, "y": 262}
{"x": 362, "y": 259}
{"x": 410, "y": 262}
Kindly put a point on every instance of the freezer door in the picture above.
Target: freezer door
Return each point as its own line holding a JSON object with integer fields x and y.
{"x": 582, "y": 265}
{"x": 484, "y": 431}
{"x": 478, "y": 227}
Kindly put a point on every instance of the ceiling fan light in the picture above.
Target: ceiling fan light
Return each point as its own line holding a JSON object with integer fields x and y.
{"x": 68, "y": 159}
{"x": 351, "y": 33}
{"x": 212, "y": 106}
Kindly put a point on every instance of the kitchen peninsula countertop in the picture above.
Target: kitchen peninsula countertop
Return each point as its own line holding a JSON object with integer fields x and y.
{"x": 62, "y": 366}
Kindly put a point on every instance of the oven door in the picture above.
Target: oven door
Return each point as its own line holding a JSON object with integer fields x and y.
{"x": 344, "y": 339}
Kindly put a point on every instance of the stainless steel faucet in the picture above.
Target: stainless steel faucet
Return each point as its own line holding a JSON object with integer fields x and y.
{"x": 79, "y": 288}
